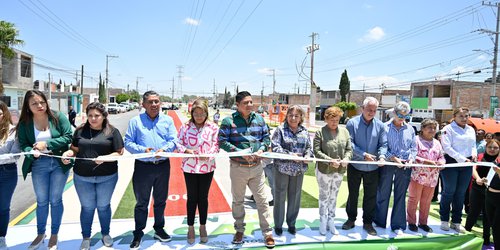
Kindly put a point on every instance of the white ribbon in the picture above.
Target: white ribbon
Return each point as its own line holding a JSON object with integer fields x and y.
{"x": 247, "y": 152}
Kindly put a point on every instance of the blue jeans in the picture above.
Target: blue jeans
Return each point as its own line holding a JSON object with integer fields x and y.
{"x": 401, "y": 181}
{"x": 8, "y": 182}
{"x": 455, "y": 183}
{"x": 48, "y": 182}
{"x": 94, "y": 193}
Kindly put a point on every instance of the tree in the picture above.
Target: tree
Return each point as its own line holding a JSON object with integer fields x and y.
{"x": 134, "y": 96}
{"x": 8, "y": 39}
{"x": 345, "y": 106}
{"x": 102, "y": 91}
{"x": 122, "y": 97}
{"x": 344, "y": 86}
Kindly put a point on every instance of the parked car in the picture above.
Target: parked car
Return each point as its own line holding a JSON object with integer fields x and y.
{"x": 113, "y": 108}
{"x": 415, "y": 122}
{"x": 136, "y": 105}
{"x": 123, "y": 108}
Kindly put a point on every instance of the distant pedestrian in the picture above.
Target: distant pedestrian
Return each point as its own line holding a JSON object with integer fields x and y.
{"x": 72, "y": 116}
{"x": 216, "y": 117}
{"x": 8, "y": 169}
{"x": 150, "y": 132}
{"x": 245, "y": 129}
{"x": 95, "y": 180}
{"x": 289, "y": 138}
{"x": 198, "y": 136}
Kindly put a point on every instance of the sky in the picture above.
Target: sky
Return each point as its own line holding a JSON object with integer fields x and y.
{"x": 240, "y": 44}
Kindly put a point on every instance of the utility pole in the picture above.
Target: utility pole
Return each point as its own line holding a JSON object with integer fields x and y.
{"x": 215, "y": 95}
{"x": 234, "y": 86}
{"x": 50, "y": 88}
{"x": 172, "y": 89}
{"x": 312, "y": 98}
{"x": 107, "y": 75}
{"x": 262, "y": 94}
{"x": 495, "y": 53}
{"x": 137, "y": 83}
{"x": 81, "y": 86}
{"x": 274, "y": 85}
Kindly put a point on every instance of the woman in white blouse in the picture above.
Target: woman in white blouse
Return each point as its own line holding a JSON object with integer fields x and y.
{"x": 198, "y": 136}
{"x": 459, "y": 145}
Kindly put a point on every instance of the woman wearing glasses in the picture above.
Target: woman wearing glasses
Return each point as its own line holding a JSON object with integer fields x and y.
{"x": 401, "y": 149}
{"x": 45, "y": 133}
{"x": 8, "y": 168}
{"x": 289, "y": 138}
{"x": 459, "y": 145}
{"x": 478, "y": 189}
{"x": 198, "y": 136}
{"x": 95, "y": 180}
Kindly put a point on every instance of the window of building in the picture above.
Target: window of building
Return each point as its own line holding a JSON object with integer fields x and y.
{"x": 25, "y": 66}
{"x": 6, "y": 100}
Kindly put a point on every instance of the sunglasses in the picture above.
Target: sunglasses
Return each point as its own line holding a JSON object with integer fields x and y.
{"x": 400, "y": 116}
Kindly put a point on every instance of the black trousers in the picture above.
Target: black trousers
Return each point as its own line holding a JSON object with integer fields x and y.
{"x": 370, "y": 184}
{"x": 147, "y": 177}
{"x": 198, "y": 186}
{"x": 477, "y": 204}
{"x": 493, "y": 214}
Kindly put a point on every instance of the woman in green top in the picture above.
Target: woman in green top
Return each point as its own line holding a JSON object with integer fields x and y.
{"x": 332, "y": 143}
{"x": 44, "y": 133}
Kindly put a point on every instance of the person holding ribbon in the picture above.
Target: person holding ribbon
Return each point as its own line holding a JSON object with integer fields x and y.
{"x": 289, "y": 138}
{"x": 369, "y": 143}
{"x": 332, "y": 143}
{"x": 492, "y": 195}
{"x": 401, "y": 149}
{"x": 198, "y": 136}
{"x": 242, "y": 130}
{"x": 459, "y": 144}
{"x": 8, "y": 168}
{"x": 478, "y": 189}
{"x": 150, "y": 132}
{"x": 46, "y": 134}
{"x": 95, "y": 180}
{"x": 424, "y": 179}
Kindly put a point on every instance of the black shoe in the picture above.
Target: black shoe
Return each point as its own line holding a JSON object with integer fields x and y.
{"x": 162, "y": 236}
{"x": 136, "y": 243}
{"x": 292, "y": 230}
{"x": 348, "y": 225}
{"x": 425, "y": 228}
{"x": 251, "y": 198}
{"x": 368, "y": 227}
{"x": 271, "y": 203}
{"x": 278, "y": 231}
{"x": 413, "y": 227}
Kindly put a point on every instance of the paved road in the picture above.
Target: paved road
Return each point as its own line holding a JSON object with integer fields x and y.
{"x": 24, "y": 197}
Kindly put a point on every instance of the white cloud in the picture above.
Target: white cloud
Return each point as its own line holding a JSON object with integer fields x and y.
{"x": 253, "y": 63}
{"x": 373, "y": 35}
{"x": 367, "y": 6}
{"x": 191, "y": 21}
{"x": 458, "y": 69}
{"x": 482, "y": 58}
{"x": 266, "y": 71}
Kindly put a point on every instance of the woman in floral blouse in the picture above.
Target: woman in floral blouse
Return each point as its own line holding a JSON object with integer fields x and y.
{"x": 198, "y": 136}
{"x": 289, "y": 138}
{"x": 424, "y": 179}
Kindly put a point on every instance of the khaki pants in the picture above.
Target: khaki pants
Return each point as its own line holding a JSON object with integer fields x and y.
{"x": 253, "y": 177}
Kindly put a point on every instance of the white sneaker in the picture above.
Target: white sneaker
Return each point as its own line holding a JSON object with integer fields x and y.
{"x": 107, "y": 240}
{"x": 445, "y": 226}
{"x": 85, "y": 244}
{"x": 322, "y": 228}
{"x": 3, "y": 244}
{"x": 457, "y": 227}
{"x": 399, "y": 232}
{"x": 334, "y": 230}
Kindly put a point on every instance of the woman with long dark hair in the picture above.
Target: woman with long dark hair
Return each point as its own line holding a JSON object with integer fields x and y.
{"x": 198, "y": 136}
{"x": 8, "y": 169}
{"x": 493, "y": 194}
{"x": 95, "y": 180}
{"x": 44, "y": 132}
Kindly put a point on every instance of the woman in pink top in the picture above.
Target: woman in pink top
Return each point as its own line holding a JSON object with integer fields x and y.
{"x": 198, "y": 136}
{"x": 424, "y": 179}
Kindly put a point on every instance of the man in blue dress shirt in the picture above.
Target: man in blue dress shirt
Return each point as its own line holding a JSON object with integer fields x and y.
{"x": 151, "y": 131}
{"x": 369, "y": 143}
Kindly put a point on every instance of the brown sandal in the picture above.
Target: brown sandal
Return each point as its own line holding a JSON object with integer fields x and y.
{"x": 203, "y": 234}
{"x": 190, "y": 235}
